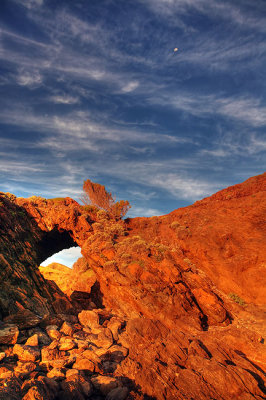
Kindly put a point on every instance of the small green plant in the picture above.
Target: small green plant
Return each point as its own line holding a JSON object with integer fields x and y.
{"x": 57, "y": 200}
{"x": 141, "y": 263}
{"x": 34, "y": 198}
{"x": 187, "y": 261}
{"x": 237, "y": 299}
{"x": 228, "y": 196}
{"x": 97, "y": 227}
{"x": 90, "y": 209}
{"x": 110, "y": 264}
{"x": 158, "y": 251}
{"x": 10, "y": 196}
{"x": 125, "y": 257}
{"x": 117, "y": 230}
{"x": 102, "y": 215}
{"x": 175, "y": 225}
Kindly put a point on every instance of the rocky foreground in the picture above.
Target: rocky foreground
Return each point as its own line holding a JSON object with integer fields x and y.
{"x": 75, "y": 359}
{"x": 169, "y": 307}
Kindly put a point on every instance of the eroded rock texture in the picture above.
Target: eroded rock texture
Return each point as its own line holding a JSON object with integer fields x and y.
{"x": 189, "y": 288}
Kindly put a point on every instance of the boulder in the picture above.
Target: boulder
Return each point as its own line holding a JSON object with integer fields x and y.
{"x": 86, "y": 386}
{"x": 115, "y": 324}
{"x": 92, "y": 355}
{"x": 105, "y": 383}
{"x": 67, "y": 329}
{"x": 71, "y": 390}
{"x": 72, "y": 372}
{"x": 24, "y": 368}
{"x": 6, "y": 372}
{"x": 43, "y": 338}
{"x": 66, "y": 343}
{"x": 114, "y": 353}
{"x": 84, "y": 364}
{"x": 26, "y": 353}
{"x": 119, "y": 393}
{"x": 104, "y": 339}
{"x": 89, "y": 319}
{"x": 52, "y": 332}
{"x": 8, "y": 333}
{"x": 32, "y": 341}
{"x": 56, "y": 373}
{"x": 42, "y": 388}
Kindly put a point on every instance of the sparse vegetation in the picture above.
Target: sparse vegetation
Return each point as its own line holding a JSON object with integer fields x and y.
{"x": 188, "y": 262}
{"x": 237, "y": 299}
{"x": 57, "y": 200}
{"x": 97, "y": 227}
{"x": 90, "y": 209}
{"x": 34, "y": 198}
{"x": 109, "y": 264}
{"x": 175, "y": 225}
{"x": 182, "y": 231}
{"x": 158, "y": 251}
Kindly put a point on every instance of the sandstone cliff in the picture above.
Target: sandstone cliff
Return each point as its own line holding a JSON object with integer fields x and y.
{"x": 189, "y": 286}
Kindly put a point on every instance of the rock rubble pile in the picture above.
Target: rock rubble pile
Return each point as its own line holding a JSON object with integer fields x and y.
{"x": 72, "y": 359}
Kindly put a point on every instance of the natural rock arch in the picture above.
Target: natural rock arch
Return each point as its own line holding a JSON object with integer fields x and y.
{"x": 31, "y": 231}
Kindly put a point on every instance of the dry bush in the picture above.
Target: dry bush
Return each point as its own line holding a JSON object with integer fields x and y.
{"x": 96, "y": 195}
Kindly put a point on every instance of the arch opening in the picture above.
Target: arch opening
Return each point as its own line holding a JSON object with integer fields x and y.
{"x": 53, "y": 242}
{"x": 58, "y": 253}
{"x": 66, "y": 257}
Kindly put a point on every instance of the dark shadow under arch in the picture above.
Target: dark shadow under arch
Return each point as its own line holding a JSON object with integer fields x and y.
{"x": 54, "y": 241}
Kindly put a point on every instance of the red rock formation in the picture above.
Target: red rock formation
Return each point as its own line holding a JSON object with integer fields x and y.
{"x": 173, "y": 279}
{"x": 79, "y": 278}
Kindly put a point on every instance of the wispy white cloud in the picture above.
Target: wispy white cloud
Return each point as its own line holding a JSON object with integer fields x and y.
{"x": 65, "y": 99}
{"x": 29, "y": 78}
{"x": 143, "y": 212}
{"x": 246, "y": 110}
{"x": 66, "y": 257}
{"x": 144, "y": 195}
{"x": 80, "y": 130}
{"x": 173, "y": 10}
{"x": 130, "y": 87}
{"x": 29, "y": 3}
{"x": 219, "y": 152}
{"x": 184, "y": 187}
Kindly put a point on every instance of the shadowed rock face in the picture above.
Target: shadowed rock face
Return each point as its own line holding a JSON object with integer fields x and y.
{"x": 27, "y": 238}
{"x": 169, "y": 277}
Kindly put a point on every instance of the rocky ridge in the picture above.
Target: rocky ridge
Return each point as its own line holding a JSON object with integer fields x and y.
{"x": 188, "y": 287}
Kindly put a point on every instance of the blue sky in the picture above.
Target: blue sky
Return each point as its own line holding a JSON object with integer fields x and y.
{"x": 66, "y": 257}
{"x": 93, "y": 89}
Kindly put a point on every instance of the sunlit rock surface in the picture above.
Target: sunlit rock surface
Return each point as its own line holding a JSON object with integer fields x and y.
{"x": 183, "y": 294}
